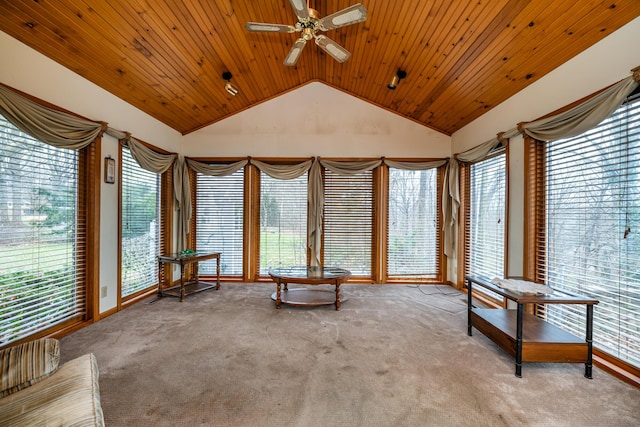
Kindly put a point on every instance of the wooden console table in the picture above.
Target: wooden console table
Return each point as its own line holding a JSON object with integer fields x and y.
{"x": 194, "y": 284}
{"x": 527, "y": 337}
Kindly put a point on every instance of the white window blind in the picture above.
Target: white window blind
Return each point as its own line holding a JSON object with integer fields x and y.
{"x": 140, "y": 227}
{"x": 485, "y": 246}
{"x": 42, "y": 235}
{"x": 283, "y": 222}
{"x": 592, "y": 244}
{"x": 413, "y": 224}
{"x": 348, "y": 221}
{"x": 220, "y": 219}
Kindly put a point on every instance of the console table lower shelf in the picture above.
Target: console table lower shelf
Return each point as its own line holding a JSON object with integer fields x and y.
{"x": 541, "y": 341}
{"x": 189, "y": 288}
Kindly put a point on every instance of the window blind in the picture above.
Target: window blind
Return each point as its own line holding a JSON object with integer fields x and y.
{"x": 413, "y": 224}
{"x": 42, "y": 235}
{"x": 485, "y": 249}
{"x": 140, "y": 227}
{"x": 591, "y": 244}
{"x": 220, "y": 221}
{"x": 348, "y": 222}
{"x": 283, "y": 222}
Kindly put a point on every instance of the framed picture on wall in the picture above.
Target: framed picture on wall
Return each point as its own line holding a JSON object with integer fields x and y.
{"x": 109, "y": 170}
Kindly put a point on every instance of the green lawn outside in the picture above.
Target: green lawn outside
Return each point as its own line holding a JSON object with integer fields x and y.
{"x": 39, "y": 257}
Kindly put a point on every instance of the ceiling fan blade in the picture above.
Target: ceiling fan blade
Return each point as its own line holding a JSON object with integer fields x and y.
{"x": 261, "y": 27}
{"x": 336, "y": 51}
{"x": 300, "y": 8}
{"x": 350, "y": 15}
{"x": 294, "y": 53}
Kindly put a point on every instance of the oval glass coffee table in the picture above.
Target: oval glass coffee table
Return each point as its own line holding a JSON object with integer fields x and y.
{"x": 305, "y": 275}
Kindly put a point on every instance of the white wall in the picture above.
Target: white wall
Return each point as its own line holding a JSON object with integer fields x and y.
{"x": 36, "y": 75}
{"x": 316, "y": 120}
{"x": 603, "y": 64}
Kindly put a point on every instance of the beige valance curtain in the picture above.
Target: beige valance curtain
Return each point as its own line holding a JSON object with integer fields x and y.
{"x": 159, "y": 163}
{"x": 283, "y": 171}
{"x": 415, "y": 166}
{"x": 216, "y": 169}
{"x": 147, "y": 158}
{"x": 56, "y": 128}
{"x": 583, "y": 117}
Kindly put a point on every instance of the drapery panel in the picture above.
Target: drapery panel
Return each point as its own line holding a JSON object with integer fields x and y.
{"x": 182, "y": 197}
{"x": 56, "y": 128}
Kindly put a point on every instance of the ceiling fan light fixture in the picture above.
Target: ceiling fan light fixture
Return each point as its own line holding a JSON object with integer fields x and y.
{"x": 309, "y": 24}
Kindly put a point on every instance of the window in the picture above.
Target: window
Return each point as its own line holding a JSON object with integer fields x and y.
{"x": 590, "y": 241}
{"x": 485, "y": 219}
{"x": 219, "y": 221}
{"x": 141, "y": 225}
{"x": 413, "y": 227}
{"x": 283, "y": 222}
{"x": 348, "y": 222}
{"x": 43, "y": 234}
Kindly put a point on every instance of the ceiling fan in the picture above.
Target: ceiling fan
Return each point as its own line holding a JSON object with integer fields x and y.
{"x": 309, "y": 23}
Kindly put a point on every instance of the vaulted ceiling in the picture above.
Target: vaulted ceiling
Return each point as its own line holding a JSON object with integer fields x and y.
{"x": 167, "y": 57}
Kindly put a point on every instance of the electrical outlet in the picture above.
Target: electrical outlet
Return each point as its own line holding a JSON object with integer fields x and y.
{"x": 103, "y": 292}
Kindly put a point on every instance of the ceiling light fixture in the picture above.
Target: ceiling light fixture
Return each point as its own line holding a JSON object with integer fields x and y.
{"x": 400, "y": 74}
{"x": 229, "y": 87}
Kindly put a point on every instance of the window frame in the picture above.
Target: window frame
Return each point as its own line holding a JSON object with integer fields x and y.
{"x": 247, "y": 216}
{"x": 375, "y": 197}
{"x": 441, "y": 261}
{"x": 535, "y": 236}
{"x": 464, "y": 231}
{"x": 88, "y": 199}
{"x": 255, "y": 175}
{"x": 165, "y": 222}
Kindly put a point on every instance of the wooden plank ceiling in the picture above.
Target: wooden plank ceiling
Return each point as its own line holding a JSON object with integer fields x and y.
{"x": 166, "y": 57}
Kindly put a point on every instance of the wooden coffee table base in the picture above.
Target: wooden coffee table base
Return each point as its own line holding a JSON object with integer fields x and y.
{"x": 302, "y": 297}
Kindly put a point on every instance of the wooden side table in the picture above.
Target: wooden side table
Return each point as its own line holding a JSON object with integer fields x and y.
{"x": 529, "y": 338}
{"x": 194, "y": 284}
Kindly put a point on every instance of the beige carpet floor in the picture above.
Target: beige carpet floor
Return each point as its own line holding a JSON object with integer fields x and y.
{"x": 394, "y": 355}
